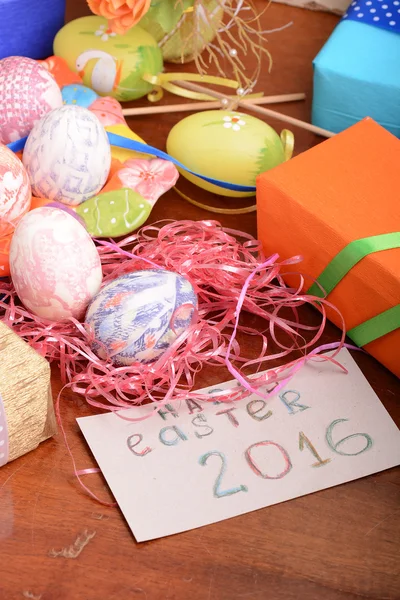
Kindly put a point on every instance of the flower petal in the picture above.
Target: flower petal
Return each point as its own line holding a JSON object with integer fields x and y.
{"x": 150, "y": 178}
{"x": 227, "y": 125}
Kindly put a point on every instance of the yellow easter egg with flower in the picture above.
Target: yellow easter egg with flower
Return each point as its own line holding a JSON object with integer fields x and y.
{"x": 229, "y": 146}
{"x": 110, "y": 64}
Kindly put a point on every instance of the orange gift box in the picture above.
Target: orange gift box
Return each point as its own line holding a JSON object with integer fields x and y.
{"x": 319, "y": 204}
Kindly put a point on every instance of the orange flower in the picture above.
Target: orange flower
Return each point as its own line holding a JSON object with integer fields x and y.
{"x": 121, "y": 14}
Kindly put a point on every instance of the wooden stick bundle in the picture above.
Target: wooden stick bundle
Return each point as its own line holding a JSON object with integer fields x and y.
{"x": 265, "y": 112}
{"x": 194, "y": 106}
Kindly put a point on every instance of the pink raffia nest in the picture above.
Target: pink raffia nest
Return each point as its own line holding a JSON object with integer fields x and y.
{"x": 231, "y": 275}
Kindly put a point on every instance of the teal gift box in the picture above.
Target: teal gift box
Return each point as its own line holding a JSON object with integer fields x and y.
{"x": 357, "y": 72}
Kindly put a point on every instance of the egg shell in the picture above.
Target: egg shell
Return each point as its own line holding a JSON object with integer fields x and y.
{"x": 225, "y": 145}
{"x": 131, "y": 317}
{"x": 67, "y": 155}
{"x": 55, "y": 266}
{"x": 110, "y": 64}
{"x": 15, "y": 190}
{"x": 27, "y": 92}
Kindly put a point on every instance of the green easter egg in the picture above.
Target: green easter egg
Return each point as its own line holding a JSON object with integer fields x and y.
{"x": 114, "y": 213}
{"x": 226, "y": 145}
{"x": 110, "y": 64}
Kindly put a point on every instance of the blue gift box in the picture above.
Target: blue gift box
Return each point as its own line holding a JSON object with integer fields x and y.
{"x": 28, "y": 27}
{"x": 357, "y": 72}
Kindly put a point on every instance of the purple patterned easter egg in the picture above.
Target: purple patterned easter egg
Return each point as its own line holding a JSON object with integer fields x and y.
{"x": 27, "y": 92}
{"x": 136, "y": 317}
{"x": 55, "y": 266}
{"x": 67, "y": 155}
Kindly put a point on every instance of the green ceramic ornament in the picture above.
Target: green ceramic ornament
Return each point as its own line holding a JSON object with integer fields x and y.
{"x": 163, "y": 17}
{"x": 110, "y": 64}
{"x": 115, "y": 213}
{"x": 174, "y": 25}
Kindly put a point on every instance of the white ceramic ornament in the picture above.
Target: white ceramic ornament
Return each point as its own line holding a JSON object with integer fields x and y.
{"x": 67, "y": 155}
{"x": 54, "y": 264}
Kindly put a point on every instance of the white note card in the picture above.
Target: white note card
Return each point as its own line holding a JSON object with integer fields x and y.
{"x": 198, "y": 463}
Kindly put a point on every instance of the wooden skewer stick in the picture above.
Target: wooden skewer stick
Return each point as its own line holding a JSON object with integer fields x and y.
{"x": 265, "y": 112}
{"x": 189, "y": 106}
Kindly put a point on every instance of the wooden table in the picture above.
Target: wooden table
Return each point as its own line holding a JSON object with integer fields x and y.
{"x": 341, "y": 543}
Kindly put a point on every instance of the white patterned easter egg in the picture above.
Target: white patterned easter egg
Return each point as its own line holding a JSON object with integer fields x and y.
{"x": 67, "y": 155}
{"x": 15, "y": 191}
{"x": 54, "y": 264}
{"x": 27, "y": 92}
{"x": 136, "y": 317}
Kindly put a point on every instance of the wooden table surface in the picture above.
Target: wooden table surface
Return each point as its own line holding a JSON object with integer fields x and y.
{"x": 341, "y": 543}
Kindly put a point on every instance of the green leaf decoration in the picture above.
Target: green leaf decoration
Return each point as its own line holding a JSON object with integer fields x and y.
{"x": 122, "y": 46}
{"x": 114, "y": 213}
{"x": 86, "y": 32}
{"x": 165, "y": 13}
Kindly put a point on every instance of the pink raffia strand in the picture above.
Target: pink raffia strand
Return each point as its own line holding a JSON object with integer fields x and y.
{"x": 231, "y": 275}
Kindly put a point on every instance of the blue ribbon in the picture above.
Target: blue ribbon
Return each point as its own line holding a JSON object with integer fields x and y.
{"x": 384, "y": 14}
{"x": 128, "y": 144}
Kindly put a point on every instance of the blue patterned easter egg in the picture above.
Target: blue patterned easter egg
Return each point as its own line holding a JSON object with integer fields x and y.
{"x": 136, "y": 317}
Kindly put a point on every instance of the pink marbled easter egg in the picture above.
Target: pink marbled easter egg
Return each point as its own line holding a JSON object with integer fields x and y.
{"x": 15, "y": 190}
{"x": 108, "y": 111}
{"x": 54, "y": 264}
{"x": 27, "y": 92}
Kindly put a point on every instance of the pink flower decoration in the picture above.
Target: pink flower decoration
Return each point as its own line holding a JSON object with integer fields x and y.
{"x": 149, "y": 178}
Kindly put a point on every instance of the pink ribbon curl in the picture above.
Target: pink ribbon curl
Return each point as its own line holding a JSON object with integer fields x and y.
{"x": 231, "y": 276}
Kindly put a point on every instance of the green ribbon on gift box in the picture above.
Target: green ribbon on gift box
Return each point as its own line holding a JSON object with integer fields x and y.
{"x": 341, "y": 264}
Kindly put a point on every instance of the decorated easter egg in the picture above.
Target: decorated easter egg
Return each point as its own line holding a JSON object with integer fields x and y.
{"x": 110, "y": 64}
{"x": 76, "y": 93}
{"x": 27, "y": 92}
{"x": 67, "y": 155}
{"x": 107, "y": 110}
{"x": 136, "y": 317}
{"x": 228, "y": 146}
{"x": 55, "y": 266}
{"x": 15, "y": 191}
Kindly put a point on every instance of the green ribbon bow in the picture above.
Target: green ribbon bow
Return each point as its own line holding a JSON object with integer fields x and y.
{"x": 341, "y": 264}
